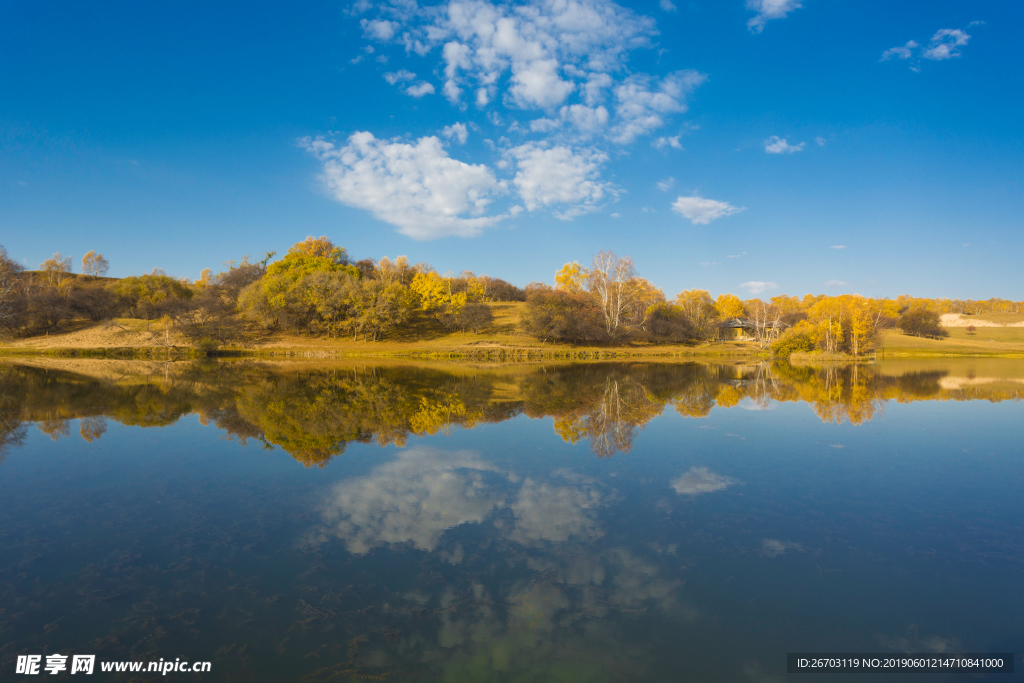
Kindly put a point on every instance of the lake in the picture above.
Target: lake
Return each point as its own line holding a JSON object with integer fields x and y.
{"x": 472, "y": 522}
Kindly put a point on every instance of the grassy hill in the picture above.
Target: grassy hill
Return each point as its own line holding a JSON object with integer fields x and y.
{"x": 986, "y": 341}
{"x": 422, "y": 335}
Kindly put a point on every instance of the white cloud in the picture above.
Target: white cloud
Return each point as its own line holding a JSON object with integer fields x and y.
{"x": 585, "y": 119}
{"x": 769, "y": 9}
{"x": 420, "y": 89}
{"x": 361, "y": 6}
{"x": 902, "y": 52}
{"x": 757, "y": 286}
{"x": 944, "y": 44}
{"x": 416, "y": 187}
{"x": 820, "y": 141}
{"x": 666, "y": 184}
{"x": 835, "y": 283}
{"x": 642, "y": 102}
{"x": 838, "y": 246}
{"x": 701, "y": 211}
{"x": 546, "y": 48}
{"x": 457, "y": 131}
{"x": 672, "y": 142}
{"x": 544, "y": 125}
{"x": 565, "y": 59}
{"x": 667, "y": 6}
{"x": 701, "y": 480}
{"x": 538, "y": 84}
{"x": 736, "y": 255}
{"x": 381, "y": 29}
{"x": 595, "y": 87}
{"x": 548, "y": 176}
{"x": 393, "y": 77}
{"x": 777, "y": 145}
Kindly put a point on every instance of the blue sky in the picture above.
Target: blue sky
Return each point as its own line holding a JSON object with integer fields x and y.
{"x": 730, "y": 145}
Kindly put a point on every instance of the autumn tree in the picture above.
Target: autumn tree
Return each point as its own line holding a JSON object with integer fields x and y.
{"x": 698, "y": 308}
{"x": 279, "y": 298}
{"x": 765, "y": 319}
{"x": 379, "y": 308}
{"x": 9, "y": 290}
{"x": 240, "y": 275}
{"x": 883, "y": 313}
{"x": 56, "y": 269}
{"x": 330, "y": 295}
{"x": 555, "y": 315}
{"x": 921, "y": 322}
{"x": 320, "y": 248}
{"x": 454, "y": 302}
{"x": 151, "y": 296}
{"x": 94, "y": 264}
{"x": 609, "y": 282}
{"x": 668, "y": 321}
{"x": 828, "y": 317}
{"x": 572, "y": 278}
{"x": 399, "y": 270}
{"x": 728, "y": 306}
{"x": 500, "y": 290}
{"x": 641, "y": 298}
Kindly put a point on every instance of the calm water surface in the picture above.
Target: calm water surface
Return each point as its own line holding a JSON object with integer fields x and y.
{"x": 605, "y": 522}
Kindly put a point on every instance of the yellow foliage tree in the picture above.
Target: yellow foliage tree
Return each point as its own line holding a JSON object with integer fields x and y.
{"x": 571, "y": 278}
{"x": 437, "y": 294}
{"x": 319, "y": 247}
{"x": 205, "y": 278}
{"x": 728, "y": 306}
{"x": 698, "y": 308}
{"x": 56, "y": 269}
{"x": 94, "y": 264}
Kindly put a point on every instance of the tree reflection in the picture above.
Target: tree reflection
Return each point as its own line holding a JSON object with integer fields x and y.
{"x": 313, "y": 413}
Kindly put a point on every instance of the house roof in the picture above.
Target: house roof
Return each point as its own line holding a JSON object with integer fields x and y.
{"x": 744, "y": 323}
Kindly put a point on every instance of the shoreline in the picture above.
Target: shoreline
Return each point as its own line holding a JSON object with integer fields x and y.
{"x": 502, "y": 354}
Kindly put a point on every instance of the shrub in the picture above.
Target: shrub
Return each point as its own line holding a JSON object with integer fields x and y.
{"x": 560, "y": 316}
{"x": 668, "y": 321}
{"x": 921, "y": 322}
{"x": 792, "y": 340}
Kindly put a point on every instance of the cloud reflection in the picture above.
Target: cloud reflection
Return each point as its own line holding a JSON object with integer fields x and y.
{"x": 413, "y": 499}
{"x": 701, "y": 480}
{"x": 554, "y": 513}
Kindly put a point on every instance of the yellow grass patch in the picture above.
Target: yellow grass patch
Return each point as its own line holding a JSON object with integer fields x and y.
{"x": 987, "y": 341}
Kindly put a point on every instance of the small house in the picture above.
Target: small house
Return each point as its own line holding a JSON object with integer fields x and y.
{"x": 741, "y": 329}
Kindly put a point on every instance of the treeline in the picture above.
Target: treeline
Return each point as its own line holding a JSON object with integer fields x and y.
{"x": 315, "y": 288}
{"x": 609, "y": 302}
